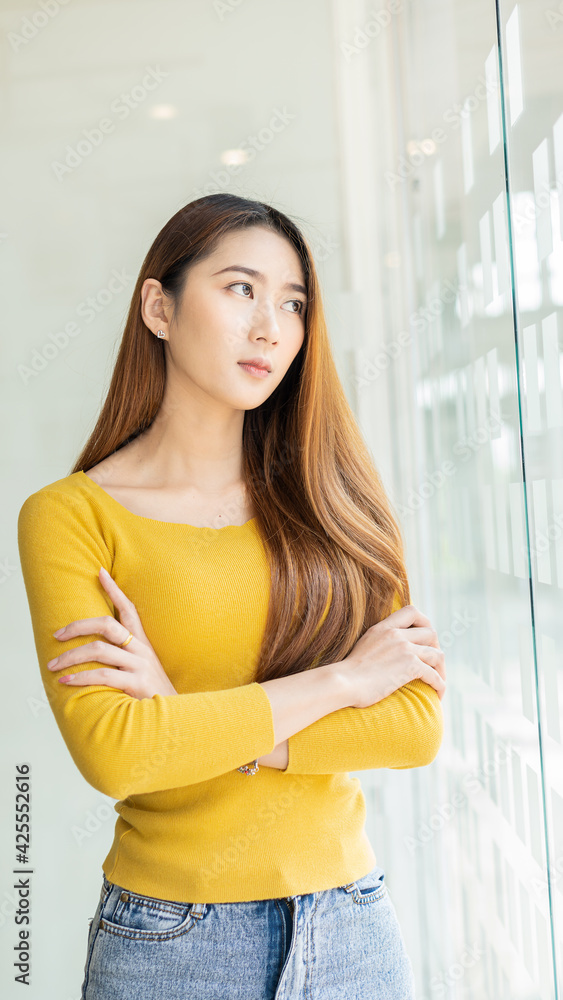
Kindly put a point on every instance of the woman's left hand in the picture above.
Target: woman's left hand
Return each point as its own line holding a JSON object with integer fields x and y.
{"x": 279, "y": 757}
{"x": 139, "y": 671}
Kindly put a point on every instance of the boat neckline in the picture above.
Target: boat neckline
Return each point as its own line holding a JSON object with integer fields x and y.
{"x": 141, "y": 517}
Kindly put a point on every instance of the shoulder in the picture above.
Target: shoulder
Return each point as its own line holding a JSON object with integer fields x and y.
{"x": 62, "y": 524}
{"x": 66, "y": 494}
{"x": 397, "y": 602}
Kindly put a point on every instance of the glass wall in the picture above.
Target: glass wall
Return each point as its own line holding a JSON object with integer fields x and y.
{"x": 452, "y": 146}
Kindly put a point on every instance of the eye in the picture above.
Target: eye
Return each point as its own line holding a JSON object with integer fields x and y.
{"x": 245, "y": 284}
{"x": 298, "y": 312}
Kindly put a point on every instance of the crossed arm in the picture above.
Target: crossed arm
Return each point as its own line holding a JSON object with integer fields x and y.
{"x": 125, "y": 746}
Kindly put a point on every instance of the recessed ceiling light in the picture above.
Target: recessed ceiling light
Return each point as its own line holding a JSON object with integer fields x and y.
{"x": 234, "y": 157}
{"x": 163, "y": 111}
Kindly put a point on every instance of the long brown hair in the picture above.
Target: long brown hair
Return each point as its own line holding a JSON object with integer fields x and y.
{"x": 320, "y": 503}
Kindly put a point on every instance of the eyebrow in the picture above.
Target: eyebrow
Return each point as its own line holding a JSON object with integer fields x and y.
{"x": 257, "y": 274}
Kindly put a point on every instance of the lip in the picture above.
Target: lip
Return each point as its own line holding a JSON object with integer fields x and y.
{"x": 257, "y": 363}
{"x": 253, "y": 370}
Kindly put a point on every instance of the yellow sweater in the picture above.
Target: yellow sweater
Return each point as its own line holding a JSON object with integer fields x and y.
{"x": 190, "y": 826}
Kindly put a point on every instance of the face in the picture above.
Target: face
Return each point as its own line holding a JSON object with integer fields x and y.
{"x": 228, "y": 315}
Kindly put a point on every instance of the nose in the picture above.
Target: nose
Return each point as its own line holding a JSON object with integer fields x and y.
{"x": 264, "y": 320}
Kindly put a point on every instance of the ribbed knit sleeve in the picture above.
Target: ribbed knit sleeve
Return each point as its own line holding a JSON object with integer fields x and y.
{"x": 403, "y": 730}
{"x": 122, "y": 745}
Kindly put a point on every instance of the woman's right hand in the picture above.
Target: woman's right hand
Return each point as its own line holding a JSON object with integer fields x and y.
{"x": 391, "y": 653}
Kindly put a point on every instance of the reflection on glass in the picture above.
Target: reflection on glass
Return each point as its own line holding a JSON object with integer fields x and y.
{"x": 473, "y": 844}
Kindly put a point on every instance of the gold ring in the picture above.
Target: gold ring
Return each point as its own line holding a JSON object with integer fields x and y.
{"x": 128, "y": 639}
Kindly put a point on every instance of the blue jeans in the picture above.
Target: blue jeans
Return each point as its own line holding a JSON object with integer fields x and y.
{"x": 329, "y": 945}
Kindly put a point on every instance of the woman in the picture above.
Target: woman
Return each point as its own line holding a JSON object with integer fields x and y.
{"x": 226, "y": 580}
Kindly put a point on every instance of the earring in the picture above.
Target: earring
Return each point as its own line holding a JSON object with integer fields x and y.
{"x": 160, "y": 333}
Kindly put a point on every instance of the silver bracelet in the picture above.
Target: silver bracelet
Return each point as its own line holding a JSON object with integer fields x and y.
{"x": 251, "y": 768}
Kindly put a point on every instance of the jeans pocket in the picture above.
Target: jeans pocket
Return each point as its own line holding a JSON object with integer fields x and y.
{"x": 132, "y": 915}
{"x": 369, "y": 888}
